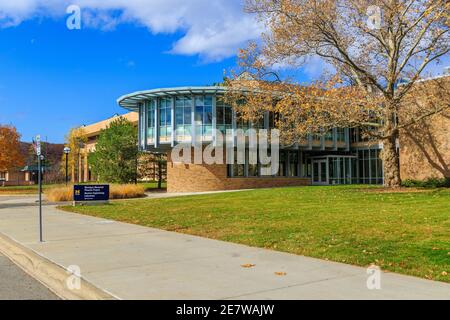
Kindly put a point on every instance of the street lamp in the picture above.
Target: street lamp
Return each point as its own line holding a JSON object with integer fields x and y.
{"x": 66, "y": 152}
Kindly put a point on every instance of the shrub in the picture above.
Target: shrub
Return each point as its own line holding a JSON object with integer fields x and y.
{"x": 124, "y": 191}
{"x": 428, "y": 183}
{"x": 59, "y": 194}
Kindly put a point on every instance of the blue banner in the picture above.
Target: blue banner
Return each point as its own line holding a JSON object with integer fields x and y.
{"x": 91, "y": 193}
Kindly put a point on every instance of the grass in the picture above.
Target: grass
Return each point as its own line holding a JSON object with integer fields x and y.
{"x": 150, "y": 186}
{"x": 405, "y": 232}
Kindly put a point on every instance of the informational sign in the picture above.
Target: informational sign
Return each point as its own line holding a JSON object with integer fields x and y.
{"x": 38, "y": 145}
{"x": 87, "y": 193}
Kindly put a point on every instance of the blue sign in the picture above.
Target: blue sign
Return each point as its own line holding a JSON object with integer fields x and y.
{"x": 91, "y": 193}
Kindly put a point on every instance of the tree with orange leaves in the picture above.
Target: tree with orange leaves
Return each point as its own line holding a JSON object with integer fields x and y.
{"x": 377, "y": 53}
{"x": 10, "y": 155}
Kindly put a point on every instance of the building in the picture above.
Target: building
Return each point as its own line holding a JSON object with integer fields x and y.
{"x": 28, "y": 174}
{"x": 168, "y": 117}
{"x": 14, "y": 177}
{"x": 92, "y": 132}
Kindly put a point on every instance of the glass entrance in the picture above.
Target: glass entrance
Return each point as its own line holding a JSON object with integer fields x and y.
{"x": 320, "y": 172}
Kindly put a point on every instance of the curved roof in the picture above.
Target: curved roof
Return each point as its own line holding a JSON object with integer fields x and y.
{"x": 130, "y": 101}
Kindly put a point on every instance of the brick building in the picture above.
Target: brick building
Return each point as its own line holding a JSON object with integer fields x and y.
{"x": 168, "y": 117}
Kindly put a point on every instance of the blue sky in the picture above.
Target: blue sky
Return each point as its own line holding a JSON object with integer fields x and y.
{"x": 52, "y": 79}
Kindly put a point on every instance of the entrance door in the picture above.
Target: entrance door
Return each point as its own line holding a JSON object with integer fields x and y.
{"x": 320, "y": 172}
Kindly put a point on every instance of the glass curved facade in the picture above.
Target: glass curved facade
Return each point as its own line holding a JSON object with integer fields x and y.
{"x": 172, "y": 119}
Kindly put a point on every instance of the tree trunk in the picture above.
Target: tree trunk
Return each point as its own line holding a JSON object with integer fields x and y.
{"x": 159, "y": 172}
{"x": 391, "y": 162}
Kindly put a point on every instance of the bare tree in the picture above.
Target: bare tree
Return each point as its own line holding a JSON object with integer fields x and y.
{"x": 378, "y": 51}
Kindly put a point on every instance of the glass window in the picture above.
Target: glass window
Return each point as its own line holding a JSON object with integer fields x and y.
{"x": 151, "y": 121}
{"x": 165, "y": 119}
{"x": 293, "y": 164}
{"x": 203, "y": 116}
{"x": 340, "y": 134}
{"x": 238, "y": 169}
{"x": 370, "y": 166}
{"x": 306, "y": 165}
{"x": 282, "y": 168}
{"x": 183, "y": 118}
{"x": 252, "y": 170}
{"x": 224, "y": 115}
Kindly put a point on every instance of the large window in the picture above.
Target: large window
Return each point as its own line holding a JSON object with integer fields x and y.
{"x": 165, "y": 119}
{"x": 340, "y": 134}
{"x": 224, "y": 116}
{"x": 370, "y": 166}
{"x": 238, "y": 168}
{"x": 341, "y": 170}
{"x": 151, "y": 105}
{"x": 282, "y": 167}
{"x": 306, "y": 166}
{"x": 183, "y": 118}
{"x": 293, "y": 164}
{"x": 203, "y": 116}
{"x": 288, "y": 166}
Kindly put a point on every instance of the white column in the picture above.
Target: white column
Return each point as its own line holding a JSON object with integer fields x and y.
{"x": 172, "y": 111}
{"x": 157, "y": 129}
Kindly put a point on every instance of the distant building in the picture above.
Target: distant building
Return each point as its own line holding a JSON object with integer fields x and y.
{"x": 27, "y": 175}
{"x": 92, "y": 132}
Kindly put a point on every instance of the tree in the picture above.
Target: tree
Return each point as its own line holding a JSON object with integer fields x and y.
{"x": 152, "y": 166}
{"x": 376, "y": 63}
{"x": 116, "y": 154}
{"x": 75, "y": 140}
{"x": 10, "y": 154}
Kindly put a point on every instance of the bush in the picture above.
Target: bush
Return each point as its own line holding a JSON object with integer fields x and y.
{"x": 59, "y": 194}
{"x": 124, "y": 191}
{"x": 429, "y": 183}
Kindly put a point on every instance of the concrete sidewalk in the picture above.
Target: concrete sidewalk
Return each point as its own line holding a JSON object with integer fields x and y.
{"x": 133, "y": 262}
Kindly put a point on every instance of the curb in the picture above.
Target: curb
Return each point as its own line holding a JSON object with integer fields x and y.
{"x": 50, "y": 274}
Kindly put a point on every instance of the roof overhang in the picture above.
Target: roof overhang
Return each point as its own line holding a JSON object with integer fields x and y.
{"x": 131, "y": 101}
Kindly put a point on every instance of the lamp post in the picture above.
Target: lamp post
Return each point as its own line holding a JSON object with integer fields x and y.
{"x": 66, "y": 152}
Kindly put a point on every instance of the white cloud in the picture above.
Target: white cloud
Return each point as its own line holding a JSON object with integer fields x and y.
{"x": 213, "y": 29}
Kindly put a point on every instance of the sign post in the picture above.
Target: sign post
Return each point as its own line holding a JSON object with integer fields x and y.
{"x": 40, "y": 158}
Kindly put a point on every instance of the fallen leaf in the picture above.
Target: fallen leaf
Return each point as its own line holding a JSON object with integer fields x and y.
{"x": 248, "y": 265}
{"x": 280, "y": 273}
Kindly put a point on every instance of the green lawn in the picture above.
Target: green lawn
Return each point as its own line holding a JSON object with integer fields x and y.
{"x": 149, "y": 186}
{"x": 401, "y": 232}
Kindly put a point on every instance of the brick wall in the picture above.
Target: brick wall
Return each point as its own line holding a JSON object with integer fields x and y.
{"x": 425, "y": 149}
{"x": 197, "y": 178}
